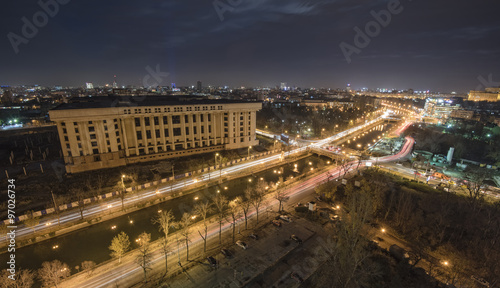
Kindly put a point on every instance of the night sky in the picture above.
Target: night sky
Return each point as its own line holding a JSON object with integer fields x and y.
{"x": 437, "y": 45}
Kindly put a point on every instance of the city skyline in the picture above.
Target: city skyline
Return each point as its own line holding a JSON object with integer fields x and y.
{"x": 418, "y": 45}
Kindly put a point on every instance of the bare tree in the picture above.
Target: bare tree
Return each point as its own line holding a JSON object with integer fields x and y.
{"x": 183, "y": 225}
{"x": 280, "y": 194}
{"x": 202, "y": 210}
{"x": 165, "y": 220}
{"x": 88, "y": 266}
{"x": 31, "y": 221}
{"x": 53, "y": 272}
{"x": 145, "y": 257}
{"x": 80, "y": 195}
{"x": 234, "y": 212}
{"x": 475, "y": 179}
{"x": 245, "y": 205}
{"x": 22, "y": 279}
{"x": 257, "y": 196}
{"x": 220, "y": 203}
{"x": 119, "y": 245}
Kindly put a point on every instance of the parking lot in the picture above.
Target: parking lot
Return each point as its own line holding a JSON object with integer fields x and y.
{"x": 267, "y": 262}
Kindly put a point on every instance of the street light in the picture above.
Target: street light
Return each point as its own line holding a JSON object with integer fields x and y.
{"x": 249, "y": 147}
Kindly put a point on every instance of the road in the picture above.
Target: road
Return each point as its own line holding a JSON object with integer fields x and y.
{"x": 94, "y": 210}
{"x": 129, "y": 272}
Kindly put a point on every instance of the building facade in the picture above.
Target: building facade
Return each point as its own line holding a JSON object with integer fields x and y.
{"x": 491, "y": 94}
{"x": 104, "y": 132}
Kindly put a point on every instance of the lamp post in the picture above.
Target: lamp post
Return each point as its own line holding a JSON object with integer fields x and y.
{"x": 249, "y": 147}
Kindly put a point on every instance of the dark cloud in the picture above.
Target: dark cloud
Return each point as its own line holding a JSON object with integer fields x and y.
{"x": 437, "y": 45}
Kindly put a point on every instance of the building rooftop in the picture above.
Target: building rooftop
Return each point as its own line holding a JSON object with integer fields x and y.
{"x": 113, "y": 101}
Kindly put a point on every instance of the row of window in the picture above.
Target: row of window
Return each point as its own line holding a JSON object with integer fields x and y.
{"x": 176, "y": 119}
{"x": 167, "y": 109}
{"x": 176, "y": 132}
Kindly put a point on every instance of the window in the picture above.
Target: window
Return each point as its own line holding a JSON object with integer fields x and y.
{"x": 92, "y": 136}
{"x": 107, "y": 135}
{"x": 202, "y": 129}
{"x": 177, "y": 131}
{"x": 194, "y": 118}
{"x": 137, "y": 122}
{"x": 66, "y": 138}
{"x": 148, "y": 134}
{"x": 146, "y": 121}
{"x": 201, "y": 118}
{"x": 209, "y": 128}
{"x": 165, "y": 120}
{"x": 91, "y": 129}
{"x": 107, "y": 142}
{"x": 90, "y": 122}
{"x": 195, "y": 130}
{"x": 77, "y": 138}
{"x": 118, "y": 140}
{"x": 104, "y": 121}
{"x": 139, "y": 135}
{"x": 95, "y": 151}
{"x": 94, "y": 144}
{"x": 209, "y": 117}
{"x": 67, "y": 146}
{"x": 116, "y": 126}
{"x": 117, "y": 133}
{"x": 65, "y": 131}
{"x": 187, "y": 130}
{"x": 166, "y": 132}
{"x": 176, "y": 119}
{"x": 157, "y": 133}
{"x": 157, "y": 121}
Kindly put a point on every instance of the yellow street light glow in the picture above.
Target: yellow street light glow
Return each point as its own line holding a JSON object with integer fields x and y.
{"x": 383, "y": 230}
{"x": 159, "y": 211}
{"x": 113, "y": 227}
{"x": 225, "y": 188}
{"x": 109, "y": 206}
{"x": 193, "y": 217}
{"x": 196, "y": 198}
{"x": 250, "y": 180}
{"x": 55, "y": 246}
{"x": 131, "y": 221}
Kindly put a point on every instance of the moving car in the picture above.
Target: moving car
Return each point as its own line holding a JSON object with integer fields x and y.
{"x": 226, "y": 253}
{"x": 296, "y": 239}
{"x": 242, "y": 244}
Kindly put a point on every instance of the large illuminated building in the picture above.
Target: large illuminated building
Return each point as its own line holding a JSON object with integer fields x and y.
{"x": 104, "y": 132}
{"x": 491, "y": 94}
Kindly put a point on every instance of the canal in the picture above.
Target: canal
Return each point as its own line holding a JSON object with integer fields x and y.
{"x": 92, "y": 243}
{"x": 366, "y": 139}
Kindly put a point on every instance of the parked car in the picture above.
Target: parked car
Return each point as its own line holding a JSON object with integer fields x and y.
{"x": 285, "y": 218}
{"x": 211, "y": 260}
{"x": 242, "y": 244}
{"x": 277, "y": 223}
{"x": 296, "y": 238}
{"x": 226, "y": 253}
{"x": 254, "y": 236}
{"x": 480, "y": 281}
{"x": 295, "y": 276}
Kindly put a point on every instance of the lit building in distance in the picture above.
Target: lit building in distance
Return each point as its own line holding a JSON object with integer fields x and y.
{"x": 89, "y": 85}
{"x": 104, "y": 132}
{"x": 198, "y": 86}
{"x": 491, "y": 94}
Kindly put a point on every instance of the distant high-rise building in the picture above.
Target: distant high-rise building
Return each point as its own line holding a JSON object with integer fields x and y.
{"x": 198, "y": 86}
{"x": 89, "y": 85}
{"x": 283, "y": 86}
{"x": 348, "y": 88}
{"x": 115, "y": 85}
